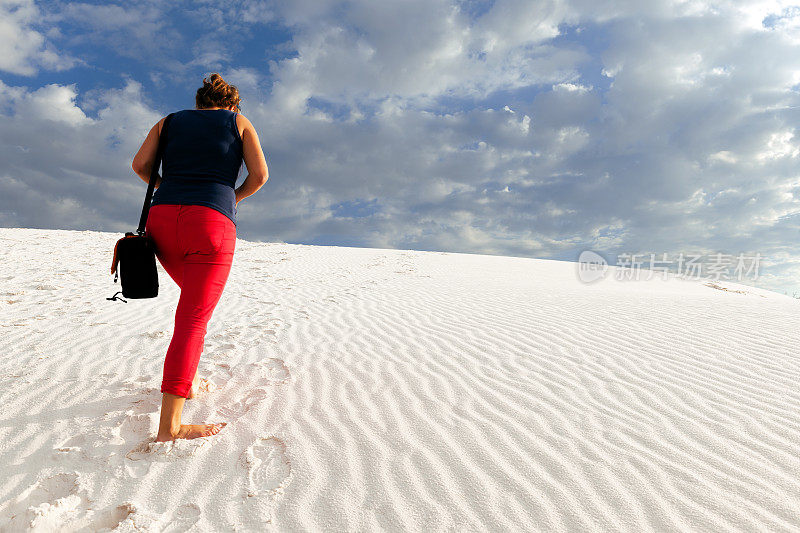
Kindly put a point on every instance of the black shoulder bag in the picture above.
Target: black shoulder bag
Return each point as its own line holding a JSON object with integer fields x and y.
{"x": 134, "y": 259}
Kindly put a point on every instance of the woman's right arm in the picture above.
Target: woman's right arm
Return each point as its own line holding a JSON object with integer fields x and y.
{"x": 257, "y": 171}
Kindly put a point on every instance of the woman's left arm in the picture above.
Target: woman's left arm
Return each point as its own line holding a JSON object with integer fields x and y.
{"x": 146, "y": 156}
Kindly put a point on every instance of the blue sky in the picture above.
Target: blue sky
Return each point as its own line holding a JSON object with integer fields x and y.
{"x": 537, "y": 129}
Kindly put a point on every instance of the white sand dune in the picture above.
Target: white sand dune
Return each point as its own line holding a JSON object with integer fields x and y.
{"x": 391, "y": 390}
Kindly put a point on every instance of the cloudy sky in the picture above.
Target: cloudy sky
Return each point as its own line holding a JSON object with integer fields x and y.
{"x": 513, "y": 127}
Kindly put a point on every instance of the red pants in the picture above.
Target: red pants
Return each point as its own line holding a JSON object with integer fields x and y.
{"x": 195, "y": 245}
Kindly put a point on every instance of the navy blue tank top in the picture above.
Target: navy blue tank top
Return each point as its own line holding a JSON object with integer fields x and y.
{"x": 202, "y": 160}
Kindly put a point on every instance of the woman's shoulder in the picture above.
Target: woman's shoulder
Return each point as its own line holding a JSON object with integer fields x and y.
{"x": 241, "y": 119}
{"x": 242, "y": 124}
{"x": 160, "y": 123}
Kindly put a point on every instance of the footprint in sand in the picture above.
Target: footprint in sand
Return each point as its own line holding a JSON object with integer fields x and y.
{"x": 136, "y": 426}
{"x": 221, "y": 373}
{"x": 268, "y": 468}
{"x": 221, "y": 351}
{"x": 135, "y": 519}
{"x": 239, "y": 408}
{"x": 124, "y": 424}
{"x": 268, "y": 371}
{"x": 91, "y": 443}
{"x": 47, "y": 503}
{"x": 183, "y": 519}
{"x": 271, "y": 370}
{"x": 268, "y": 328}
{"x": 59, "y": 503}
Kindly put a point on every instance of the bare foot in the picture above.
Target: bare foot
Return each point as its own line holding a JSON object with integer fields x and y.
{"x": 193, "y": 431}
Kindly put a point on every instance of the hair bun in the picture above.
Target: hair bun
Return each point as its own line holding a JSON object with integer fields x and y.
{"x": 216, "y": 92}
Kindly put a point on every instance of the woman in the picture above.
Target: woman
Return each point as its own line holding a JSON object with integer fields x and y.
{"x": 192, "y": 222}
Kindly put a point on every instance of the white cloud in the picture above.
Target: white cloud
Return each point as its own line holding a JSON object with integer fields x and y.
{"x": 572, "y": 87}
{"x": 780, "y": 144}
{"x": 54, "y": 102}
{"x": 60, "y": 167}
{"x": 23, "y": 49}
{"x": 419, "y": 51}
{"x": 724, "y": 156}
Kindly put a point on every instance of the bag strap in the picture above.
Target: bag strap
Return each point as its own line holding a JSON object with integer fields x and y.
{"x": 153, "y": 175}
